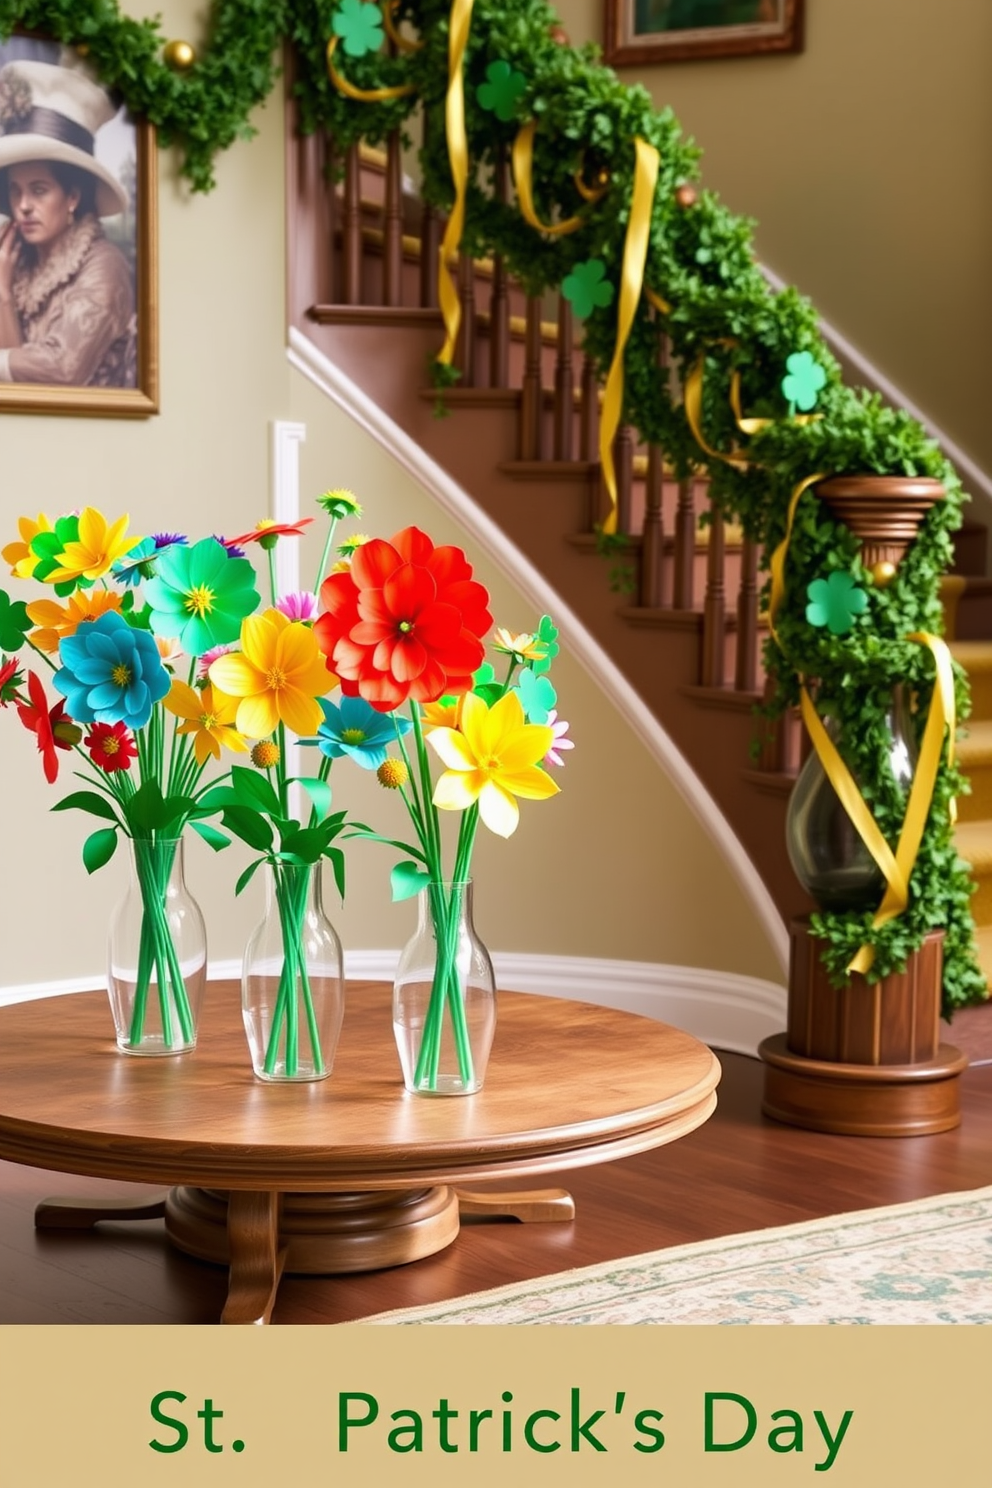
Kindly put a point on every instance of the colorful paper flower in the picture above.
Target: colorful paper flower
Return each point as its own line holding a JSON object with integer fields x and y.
{"x": 23, "y": 561}
{"x": 206, "y": 661}
{"x": 232, "y": 549}
{"x": 523, "y": 646}
{"x": 209, "y": 715}
{"x": 353, "y": 727}
{"x": 560, "y": 729}
{"x": 58, "y": 621}
{"x": 547, "y": 639}
{"x": 359, "y": 26}
{"x": 169, "y": 539}
{"x": 42, "y": 720}
{"x": 492, "y": 759}
{"x": 268, "y": 532}
{"x": 500, "y": 91}
{"x": 835, "y": 601}
{"x": 137, "y": 563}
{"x": 111, "y": 673}
{"x": 536, "y": 694}
{"x": 278, "y": 675}
{"x": 340, "y": 503}
{"x": 111, "y": 747}
{"x": 299, "y": 606}
{"x": 587, "y": 287}
{"x": 10, "y": 680}
{"x": 95, "y": 550}
{"x": 200, "y": 595}
{"x": 804, "y": 380}
{"x": 14, "y": 622}
{"x": 405, "y": 621}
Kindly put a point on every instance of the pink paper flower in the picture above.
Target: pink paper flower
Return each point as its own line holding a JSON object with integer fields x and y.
{"x": 299, "y": 606}
{"x": 559, "y": 729}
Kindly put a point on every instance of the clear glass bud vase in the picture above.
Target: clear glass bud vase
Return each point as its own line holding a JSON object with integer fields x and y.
{"x": 157, "y": 954}
{"x": 826, "y": 851}
{"x": 444, "y": 996}
{"x": 292, "y": 981}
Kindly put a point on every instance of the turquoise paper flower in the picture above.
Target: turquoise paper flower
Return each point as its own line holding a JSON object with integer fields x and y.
{"x": 587, "y": 287}
{"x": 14, "y": 622}
{"x": 834, "y": 602}
{"x": 500, "y": 91}
{"x": 110, "y": 673}
{"x": 136, "y": 564}
{"x": 353, "y": 727}
{"x": 200, "y": 595}
{"x": 804, "y": 380}
{"x": 359, "y": 26}
{"x": 536, "y": 694}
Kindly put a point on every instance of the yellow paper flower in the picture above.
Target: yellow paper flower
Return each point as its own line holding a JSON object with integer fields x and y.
{"x": 525, "y": 645}
{"x": 442, "y": 714}
{"x": 278, "y": 674}
{"x": 97, "y": 549}
{"x": 492, "y": 758}
{"x": 209, "y": 717}
{"x": 60, "y": 620}
{"x": 18, "y": 554}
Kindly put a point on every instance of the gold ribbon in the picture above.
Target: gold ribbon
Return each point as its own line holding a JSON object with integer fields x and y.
{"x": 361, "y": 95}
{"x": 635, "y": 252}
{"x": 657, "y": 301}
{"x": 402, "y": 43}
{"x": 777, "y": 564}
{"x": 454, "y": 120}
{"x": 896, "y": 868}
{"x": 523, "y": 171}
{"x": 693, "y": 403}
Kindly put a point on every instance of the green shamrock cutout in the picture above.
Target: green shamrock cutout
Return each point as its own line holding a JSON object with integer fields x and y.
{"x": 537, "y": 696}
{"x": 834, "y": 602}
{"x": 14, "y": 623}
{"x": 547, "y": 635}
{"x": 804, "y": 380}
{"x": 359, "y": 26}
{"x": 587, "y": 286}
{"x": 500, "y": 91}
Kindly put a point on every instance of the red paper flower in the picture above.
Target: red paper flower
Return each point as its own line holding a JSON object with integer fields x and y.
{"x": 111, "y": 746}
{"x": 405, "y": 621}
{"x": 9, "y": 680}
{"x": 266, "y": 532}
{"x": 52, "y": 727}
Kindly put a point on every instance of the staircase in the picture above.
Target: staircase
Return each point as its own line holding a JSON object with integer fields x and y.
{"x": 681, "y": 620}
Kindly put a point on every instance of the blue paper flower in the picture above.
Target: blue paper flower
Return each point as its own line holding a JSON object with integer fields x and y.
{"x": 136, "y": 564}
{"x": 111, "y": 673}
{"x": 353, "y": 727}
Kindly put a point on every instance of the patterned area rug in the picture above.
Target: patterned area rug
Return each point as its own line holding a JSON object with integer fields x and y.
{"x": 925, "y": 1262}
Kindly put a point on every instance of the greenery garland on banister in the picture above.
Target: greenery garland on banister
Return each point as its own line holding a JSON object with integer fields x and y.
{"x": 769, "y": 393}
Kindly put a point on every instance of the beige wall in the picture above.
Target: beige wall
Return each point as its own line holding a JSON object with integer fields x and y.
{"x": 865, "y": 160}
{"x": 616, "y": 866}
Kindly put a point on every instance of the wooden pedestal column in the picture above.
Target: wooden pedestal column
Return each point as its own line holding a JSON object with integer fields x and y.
{"x": 863, "y": 1060}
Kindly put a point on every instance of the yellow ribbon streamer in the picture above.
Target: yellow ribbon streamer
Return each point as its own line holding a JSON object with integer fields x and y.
{"x": 693, "y": 403}
{"x": 657, "y": 301}
{"x": 777, "y": 564}
{"x": 361, "y": 95}
{"x": 635, "y": 252}
{"x": 454, "y": 119}
{"x": 523, "y": 168}
{"x": 402, "y": 43}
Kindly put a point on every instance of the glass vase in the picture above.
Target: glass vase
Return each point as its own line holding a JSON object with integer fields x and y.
{"x": 444, "y": 996}
{"x": 292, "y": 981}
{"x": 157, "y": 954}
{"x": 827, "y": 854}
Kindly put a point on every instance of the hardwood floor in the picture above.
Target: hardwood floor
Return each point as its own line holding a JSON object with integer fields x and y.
{"x": 738, "y": 1172}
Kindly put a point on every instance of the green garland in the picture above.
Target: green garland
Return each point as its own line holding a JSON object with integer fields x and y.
{"x": 701, "y": 261}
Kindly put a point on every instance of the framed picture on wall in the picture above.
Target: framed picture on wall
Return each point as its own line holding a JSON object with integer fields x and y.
{"x": 645, "y": 31}
{"x": 78, "y": 240}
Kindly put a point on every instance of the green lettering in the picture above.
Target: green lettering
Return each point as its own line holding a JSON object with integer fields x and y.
{"x": 791, "y": 1436}
{"x": 475, "y": 1418}
{"x": 346, "y": 1422}
{"x": 656, "y": 1438}
{"x": 182, "y": 1434}
{"x": 710, "y": 1443}
{"x": 832, "y": 1442}
{"x": 529, "y": 1437}
{"x": 584, "y": 1428}
{"x": 415, "y": 1431}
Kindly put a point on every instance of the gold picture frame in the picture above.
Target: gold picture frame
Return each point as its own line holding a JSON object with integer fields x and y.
{"x": 55, "y": 368}
{"x": 640, "y": 32}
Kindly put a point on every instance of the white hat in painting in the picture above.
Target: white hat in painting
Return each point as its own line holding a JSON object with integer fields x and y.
{"x": 53, "y": 113}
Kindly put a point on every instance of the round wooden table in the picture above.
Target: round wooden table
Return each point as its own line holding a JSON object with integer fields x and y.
{"x": 351, "y": 1173}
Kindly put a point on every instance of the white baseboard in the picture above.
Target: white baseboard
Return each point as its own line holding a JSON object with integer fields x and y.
{"x": 728, "y": 1011}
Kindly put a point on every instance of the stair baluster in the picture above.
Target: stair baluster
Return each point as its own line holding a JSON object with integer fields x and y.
{"x": 532, "y": 397}
{"x": 589, "y": 411}
{"x": 465, "y": 345}
{"x": 351, "y": 286}
{"x": 499, "y": 300}
{"x": 683, "y": 588}
{"x": 715, "y": 604}
{"x": 623, "y": 464}
{"x": 430, "y": 240}
{"x": 564, "y": 421}
{"x": 653, "y": 535}
{"x": 392, "y": 247}
{"x": 746, "y": 671}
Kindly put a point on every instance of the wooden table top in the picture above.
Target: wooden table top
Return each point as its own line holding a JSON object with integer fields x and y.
{"x": 568, "y": 1084}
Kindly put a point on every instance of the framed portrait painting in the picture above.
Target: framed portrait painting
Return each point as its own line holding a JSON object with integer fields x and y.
{"x": 78, "y": 240}
{"x": 646, "y": 31}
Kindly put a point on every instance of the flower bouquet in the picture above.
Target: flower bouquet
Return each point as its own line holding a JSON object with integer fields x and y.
{"x": 403, "y": 629}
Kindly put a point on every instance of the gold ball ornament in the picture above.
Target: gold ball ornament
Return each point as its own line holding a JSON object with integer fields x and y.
{"x": 559, "y": 36}
{"x": 178, "y": 55}
{"x": 686, "y": 195}
{"x": 883, "y": 573}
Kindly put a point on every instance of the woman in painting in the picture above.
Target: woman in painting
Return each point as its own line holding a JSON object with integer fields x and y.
{"x": 66, "y": 292}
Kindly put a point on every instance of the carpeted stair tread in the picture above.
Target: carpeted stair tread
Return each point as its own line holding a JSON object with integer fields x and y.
{"x": 973, "y": 655}
{"x": 974, "y": 744}
{"x": 973, "y": 841}
{"x": 983, "y": 941}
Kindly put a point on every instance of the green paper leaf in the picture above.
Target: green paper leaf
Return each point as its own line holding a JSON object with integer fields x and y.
{"x": 144, "y": 810}
{"x": 246, "y": 877}
{"x": 99, "y": 848}
{"x": 305, "y": 843}
{"x": 88, "y": 801}
{"x": 216, "y": 799}
{"x": 335, "y": 857}
{"x": 406, "y": 880}
{"x": 319, "y": 792}
{"x": 249, "y": 826}
{"x": 254, "y": 791}
{"x": 211, "y": 836}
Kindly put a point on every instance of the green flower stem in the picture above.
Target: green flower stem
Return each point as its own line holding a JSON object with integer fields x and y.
{"x": 446, "y": 991}
{"x": 426, "y": 789}
{"x": 270, "y": 554}
{"x": 292, "y": 886}
{"x": 324, "y": 555}
{"x": 153, "y": 864}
